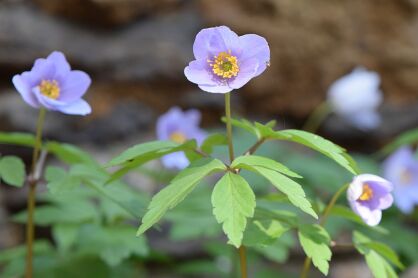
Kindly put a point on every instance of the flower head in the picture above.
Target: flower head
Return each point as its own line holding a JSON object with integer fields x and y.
{"x": 179, "y": 126}
{"x": 52, "y": 84}
{"x": 368, "y": 195}
{"x": 401, "y": 168}
{"x": 356, "y": 98}
{"x": 226, "y": 61}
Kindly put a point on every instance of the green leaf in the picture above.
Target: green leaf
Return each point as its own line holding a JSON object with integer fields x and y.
{"x": 74, "y": 212}
{"x": 148, "y": 151}
{"x": 344, "y": 212}
{"x": 315, "y": 242}
{"x": 263, "y": 232}
{"x": 65, "y": 235}
{"x": 245, "y": 125}
{"x": 249, "y": 161}
{"x": 293, "y": 190}
{"x": 233, "y": 202}
{"x": 17, "y": 138}
{"x": 375, "y": 254}
{"x": 321, "y": 145}
{"x": 212, "y": 140}
{"x": 12, "y": 170}
{"x": 39, "y": 246}
{"x": 69, "y": 153}
{"x": 117, "y": 192}
{"x": 59, "y": 181}
{"x": 113, "y": 244}
{"x": 142, "y": 153}
{"x": 386, "y": 252}
{"x": 178, "y": 189}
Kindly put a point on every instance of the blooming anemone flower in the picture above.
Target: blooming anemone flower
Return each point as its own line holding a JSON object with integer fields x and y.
{"x": 356, "y": 97}
{"x": 53, "y": 85}
{"x": 226, "y": 61}
{"x": 179, "y": 126}
{"x": 368, "y": 195}
{"x": 401, "y": 168}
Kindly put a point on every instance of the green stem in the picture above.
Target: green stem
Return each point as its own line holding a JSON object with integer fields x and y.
{"x": 241, "y": 249}
{"x": 323, "y": 220}
{"x": 229, "y": 126}
{"x": 317, "y": 117}
{"x": 30, "y": 231}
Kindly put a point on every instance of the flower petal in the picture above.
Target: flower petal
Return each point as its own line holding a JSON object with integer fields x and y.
{"x": 61, "y": 65}
{"x": 216, "y": 89}
{"x": 248, "y": 70}
{"x": 370, "y": 217}
{"x": 177, "y": 160}
{"x": 211, "y": 41}
{"x": 74, "y": 86}
{"x": 404, "y": 202}
{"x": 365, "y": 120}
{"x": 386, "y": 201}
{"x": 23, "y": 86}
{"x": 255, "y": 46}
{"x": 197, "y": 72}
{"x": 78, "y": 107}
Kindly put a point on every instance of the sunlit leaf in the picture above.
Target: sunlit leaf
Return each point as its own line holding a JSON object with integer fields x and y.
{"x": 233, "y": 202}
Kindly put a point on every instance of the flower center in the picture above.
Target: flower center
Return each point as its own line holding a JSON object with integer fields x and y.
{"x": 50, "y": 88}
{"x": 178, "y": 137}
{"x": 225, "y": 65}
{"x": 367, "y": 193}
{"x": 405, "y": 176}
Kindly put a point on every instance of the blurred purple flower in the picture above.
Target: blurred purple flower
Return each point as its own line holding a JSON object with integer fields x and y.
{"x": 226, "y": 61}
{"x": 356, "y": 98}
{"x": 368, "y": 195}
{"x": 52, "y": 84}
{"x": 401, "y": 168}
{"x": 179, "y": 126}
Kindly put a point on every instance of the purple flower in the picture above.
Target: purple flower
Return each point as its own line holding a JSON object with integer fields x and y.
{"x": 368, "y": 195}
{"x": 226, "y": 61}
{"x": 52, "y": 84}
{"x": 356, "y": 97}
{"x": 179, "y": 126}
{"x": 401, "y": 168}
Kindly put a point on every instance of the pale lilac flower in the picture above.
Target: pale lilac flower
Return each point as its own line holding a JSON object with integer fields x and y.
{"x": 401, "y": 168}
{"x": 179, "y": 126}
{"x": 226, "y": 61}
{"x": 356, "y": 97}
{"x": 368, "y": 195}
{"x": 53, "y": 85}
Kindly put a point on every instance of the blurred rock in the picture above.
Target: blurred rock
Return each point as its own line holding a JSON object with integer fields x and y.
{"x": 106, "y": 125}
{"x": 104, "y": 12}
{"x": 350, "y": 269}
{"x": 151, "y": 49}
{"x": 412, "y": 272}
{"x": 315, "y": 42}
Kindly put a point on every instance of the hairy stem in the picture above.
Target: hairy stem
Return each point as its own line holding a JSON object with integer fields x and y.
{"x": 243, "y": 261}
{"x": 317, "y": 117}
{"x": 30, "y": 231}
{"x": 241, "y": 249}
{"x": 322, "y": 221}
{"x": 229, "y": 126}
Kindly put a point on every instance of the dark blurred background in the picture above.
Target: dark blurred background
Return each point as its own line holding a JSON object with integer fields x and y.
{"x": 136, "y": 50}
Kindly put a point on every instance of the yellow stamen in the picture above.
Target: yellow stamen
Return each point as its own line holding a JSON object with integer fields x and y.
{"x": 50, "y": 88}
{"x": 367, "y": 193}
{"x": 178, "y": 137}
{"x": 225, "y": 65}
{"x": 405, "y": 177}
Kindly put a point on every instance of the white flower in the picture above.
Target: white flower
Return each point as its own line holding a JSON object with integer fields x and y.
{"x": 356, "y": 97}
